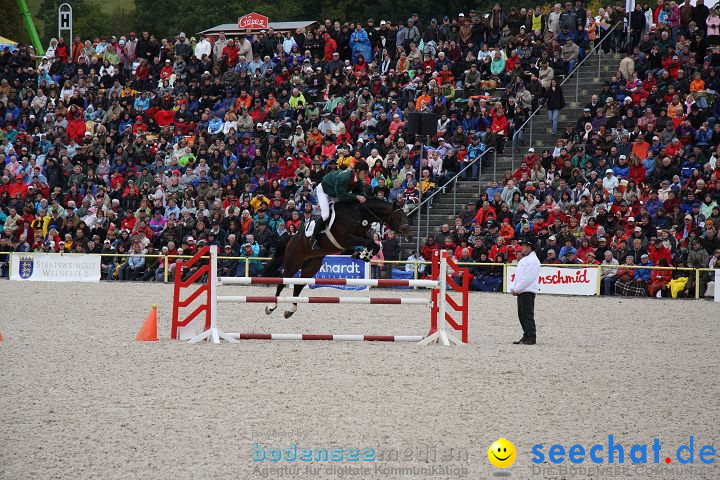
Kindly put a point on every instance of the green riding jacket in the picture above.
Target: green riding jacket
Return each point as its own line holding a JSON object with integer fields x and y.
{"x": 342, "y": 185}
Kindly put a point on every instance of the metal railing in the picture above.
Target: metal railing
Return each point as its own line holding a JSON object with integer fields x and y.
{"x": 438, "y": 190}
{"x": 575, "y": 72}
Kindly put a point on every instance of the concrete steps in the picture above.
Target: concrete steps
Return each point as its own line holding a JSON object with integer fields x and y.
{"x": 588, "y": 83}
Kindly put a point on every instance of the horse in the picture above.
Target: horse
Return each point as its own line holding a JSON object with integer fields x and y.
{"x": 350, "y": 230}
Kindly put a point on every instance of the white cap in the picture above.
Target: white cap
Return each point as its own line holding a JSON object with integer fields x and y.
{"x": 623, "y": 156}
{"x": 609, "y": 170}
{"x": 531, "y": 149}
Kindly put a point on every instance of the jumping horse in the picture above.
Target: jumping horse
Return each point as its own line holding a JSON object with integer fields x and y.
{"x": 350, "y": 230}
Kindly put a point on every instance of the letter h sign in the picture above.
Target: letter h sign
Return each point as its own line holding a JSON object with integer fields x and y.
{"x": 65, "y": 22}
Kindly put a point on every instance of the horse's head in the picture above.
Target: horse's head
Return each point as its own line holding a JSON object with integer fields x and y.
{"x": 396, "y": 220}
{"x": 399, "y": 223}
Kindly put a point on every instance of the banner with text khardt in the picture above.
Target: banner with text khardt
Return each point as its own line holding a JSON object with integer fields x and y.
{"x": 55, "y": 267}
{"x": 342, "y": 266}
{"x": 561, "y": 280}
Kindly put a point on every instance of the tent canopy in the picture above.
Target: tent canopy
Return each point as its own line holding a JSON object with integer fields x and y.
{"x": 6, "y": 42}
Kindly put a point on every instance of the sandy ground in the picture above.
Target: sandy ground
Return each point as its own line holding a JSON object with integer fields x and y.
{"x": 79, "y": 398}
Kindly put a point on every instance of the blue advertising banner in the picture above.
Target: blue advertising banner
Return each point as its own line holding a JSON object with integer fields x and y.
{"x": 343, "y": 266}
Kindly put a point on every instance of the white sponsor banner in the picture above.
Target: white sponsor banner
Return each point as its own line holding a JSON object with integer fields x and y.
{"x": 55, "y": 267}
{"x": 561, "y": 280}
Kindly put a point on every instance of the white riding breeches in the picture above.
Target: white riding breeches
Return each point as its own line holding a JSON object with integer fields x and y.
{"x": 323, "y": 201}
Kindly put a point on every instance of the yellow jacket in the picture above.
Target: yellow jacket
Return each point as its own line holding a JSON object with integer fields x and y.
{"x": 259, "y": 201}
{"x": 426, "y": 185}
{"x": 349, "y": 161}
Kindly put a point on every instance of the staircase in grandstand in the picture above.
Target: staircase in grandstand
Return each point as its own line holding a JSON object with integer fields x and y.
{"x": 586, "y": 80}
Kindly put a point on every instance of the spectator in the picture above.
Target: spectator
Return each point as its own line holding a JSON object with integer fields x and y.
{"x": 233, "y": 111}
{"x": 555, "y": 102}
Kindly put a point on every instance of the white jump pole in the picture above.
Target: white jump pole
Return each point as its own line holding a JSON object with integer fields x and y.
{"x": 214, "y": 333}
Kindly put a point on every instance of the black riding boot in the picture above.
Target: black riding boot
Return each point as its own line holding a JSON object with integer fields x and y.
{"x": 317, "y": 233}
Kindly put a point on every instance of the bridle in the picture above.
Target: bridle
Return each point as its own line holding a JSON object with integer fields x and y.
{"x": 392, "y": 217}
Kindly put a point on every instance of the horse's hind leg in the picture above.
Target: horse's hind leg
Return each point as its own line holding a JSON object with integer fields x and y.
{"x": 309, "y": 268}
{"x": 292, "y": 264}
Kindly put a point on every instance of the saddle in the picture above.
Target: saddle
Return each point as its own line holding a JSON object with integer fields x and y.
{"x": 310, "y": 227}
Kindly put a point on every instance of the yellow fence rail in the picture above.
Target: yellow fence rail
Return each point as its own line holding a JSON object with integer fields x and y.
{"x": 416, "y": 266}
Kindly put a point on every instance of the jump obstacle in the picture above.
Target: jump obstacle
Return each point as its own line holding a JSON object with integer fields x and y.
{"x": 440, "y": 301}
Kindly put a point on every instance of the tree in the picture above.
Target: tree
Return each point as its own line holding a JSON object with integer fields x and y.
{"x": 47, "y": 15}
{"x": 11, "y": 23}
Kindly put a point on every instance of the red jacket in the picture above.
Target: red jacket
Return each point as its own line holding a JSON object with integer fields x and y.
{"x": 142, "y": 72}
{"x": 499, "y": 124}
{"x": 517, "y": 174}
{"x": 16, "y": 188}
{"x": 128, "y": 223}
{"x": 61, "y": 51}
{"x": 330, "y": 47}
{"x": 231, "y": 53}
{"x": 656, "y": 254}
{"x": 287, "y": 171}
{"x": 166, "y": 72}
{"x": 76, "y": 125}
{"x": 427, "y": 251}
{"x": 482, "y": 215}
{"x": 638, "y": 173}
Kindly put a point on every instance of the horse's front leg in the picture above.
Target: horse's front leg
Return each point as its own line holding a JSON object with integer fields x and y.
{"x": 271, "y": 308}
{"x": 293, "y": 308}
{"x": 291, "y": 265}
{"x": 369, "y": 247}
{"x": 309, "y": 269}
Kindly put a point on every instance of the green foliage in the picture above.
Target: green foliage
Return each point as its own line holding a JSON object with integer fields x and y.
{"x": 11, "y": 23}
{"x": 91, "y": 18}
{"x": 168, "y": 17}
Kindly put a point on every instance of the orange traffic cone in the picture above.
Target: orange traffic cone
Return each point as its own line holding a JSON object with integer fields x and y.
{"x": 148, "y": 332}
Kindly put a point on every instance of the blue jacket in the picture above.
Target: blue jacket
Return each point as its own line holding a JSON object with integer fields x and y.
{"x": 621, "y": 172}
{"x": 136, "y": 262}
{"x": 360, "y": 45}
{"x": 643, "y": 273}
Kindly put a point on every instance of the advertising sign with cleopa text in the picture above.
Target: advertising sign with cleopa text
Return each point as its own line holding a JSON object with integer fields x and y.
{"x": 253, "y": 21}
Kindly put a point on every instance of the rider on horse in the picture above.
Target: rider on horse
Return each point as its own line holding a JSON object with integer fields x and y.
{"x": 346, "y": 185}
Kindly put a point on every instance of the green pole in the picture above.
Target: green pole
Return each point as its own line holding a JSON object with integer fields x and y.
{"x": 30, "y": 26}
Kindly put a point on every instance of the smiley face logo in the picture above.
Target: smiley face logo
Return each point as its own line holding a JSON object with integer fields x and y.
{"x": 502, "y": 453}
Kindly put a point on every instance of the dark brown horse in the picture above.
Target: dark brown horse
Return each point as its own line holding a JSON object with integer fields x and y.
{"x": 350, "y": 230}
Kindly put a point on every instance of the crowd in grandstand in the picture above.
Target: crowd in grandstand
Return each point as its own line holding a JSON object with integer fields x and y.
{"x": 136, "y": 144}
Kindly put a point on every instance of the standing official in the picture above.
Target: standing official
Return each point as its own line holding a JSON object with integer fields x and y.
{"x": 525, "y": 288}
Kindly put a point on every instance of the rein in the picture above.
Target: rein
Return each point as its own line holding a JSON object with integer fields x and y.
{"x": 378, "y": 218}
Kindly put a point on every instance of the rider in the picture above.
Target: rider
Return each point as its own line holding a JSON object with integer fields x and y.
{"x": 347, "y": 185}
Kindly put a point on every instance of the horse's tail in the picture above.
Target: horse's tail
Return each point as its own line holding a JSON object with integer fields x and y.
{"x": 272, "y": 268}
